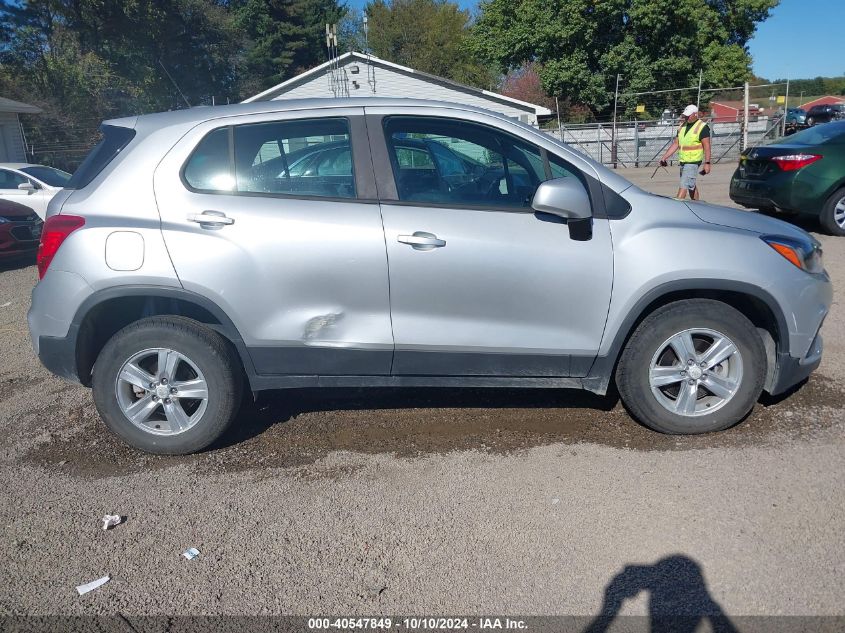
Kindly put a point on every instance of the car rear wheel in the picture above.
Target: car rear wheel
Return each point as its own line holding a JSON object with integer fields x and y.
{"x": 693, "y": 366}
{"x": 167, "y": 385}
{"x": 833, "y": 213}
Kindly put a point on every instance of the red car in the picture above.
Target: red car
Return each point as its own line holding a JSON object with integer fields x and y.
{"x": 20, "y": 230}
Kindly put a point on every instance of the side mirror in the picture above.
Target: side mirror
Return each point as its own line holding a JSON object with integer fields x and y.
{"x": 563, "y": 197}
{"x": 26, "y": 186}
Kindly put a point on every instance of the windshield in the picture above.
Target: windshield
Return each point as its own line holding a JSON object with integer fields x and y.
{"x": 49, "y": 175}
{"x": 831, "y": 133}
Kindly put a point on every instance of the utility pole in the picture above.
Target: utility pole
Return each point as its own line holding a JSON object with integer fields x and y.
{"x": 613, "y": 136}
{"x": 698, "y": 101}
{"x": 785, "y": 108}
{"x": 559, "y": 127}
{"x": 745, "y": 119}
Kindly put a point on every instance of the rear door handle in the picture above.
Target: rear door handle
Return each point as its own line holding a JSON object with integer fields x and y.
{"x": 421, "y": 240}
{"x": 211, "y": 219}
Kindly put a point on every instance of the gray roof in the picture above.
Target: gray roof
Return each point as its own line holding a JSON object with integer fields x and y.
{"x": 8, "y": 105}
{"x": 275, "y": 91}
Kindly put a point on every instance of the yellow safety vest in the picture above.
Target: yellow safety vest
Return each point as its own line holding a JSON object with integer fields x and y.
{"x": 689, "y": 143}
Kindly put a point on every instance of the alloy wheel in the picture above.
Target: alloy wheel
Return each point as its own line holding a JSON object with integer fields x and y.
{"x": 161, "y": 391}
{"x": 695, "y": 372}
{"x": 839, "y": 213}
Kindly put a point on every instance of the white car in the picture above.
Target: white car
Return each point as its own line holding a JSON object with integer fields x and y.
{"x": 31, "y": 185}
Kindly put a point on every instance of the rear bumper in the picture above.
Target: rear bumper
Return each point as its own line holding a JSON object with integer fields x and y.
{"x": 760, "y": 194}
{"x": 58, "y": 355}
{"x": 803, "y": 191}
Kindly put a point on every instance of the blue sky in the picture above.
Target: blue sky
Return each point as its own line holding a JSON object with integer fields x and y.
{"x": 799, "y": 40}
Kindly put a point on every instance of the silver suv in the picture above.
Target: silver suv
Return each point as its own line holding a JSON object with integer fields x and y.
{"x": 376, "y": 242}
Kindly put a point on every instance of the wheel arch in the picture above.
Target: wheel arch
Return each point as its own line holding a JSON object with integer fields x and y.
{"x": 107, "y": 311}
{"x": 760, "y": 307}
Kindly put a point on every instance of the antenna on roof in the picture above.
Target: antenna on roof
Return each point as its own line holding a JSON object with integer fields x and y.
{"x": 371, "y": 71}
{"x": 173, "y": 81}
{"x": 334, "y": 67}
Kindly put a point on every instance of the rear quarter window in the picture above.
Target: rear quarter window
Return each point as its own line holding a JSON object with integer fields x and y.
{"x": 114, "y": 140}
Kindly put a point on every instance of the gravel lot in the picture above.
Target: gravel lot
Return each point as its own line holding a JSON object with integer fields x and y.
{"x": 423, "y": 501}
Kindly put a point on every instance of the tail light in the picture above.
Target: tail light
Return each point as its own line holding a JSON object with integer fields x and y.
{"x": 794, "y": 162}
{"x": 55, "y": 232}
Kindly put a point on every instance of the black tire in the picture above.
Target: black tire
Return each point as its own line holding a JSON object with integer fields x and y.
{"x": 827, "y": 219}
{"x": 207, "y": 350}
{"x": 632, "y": 373}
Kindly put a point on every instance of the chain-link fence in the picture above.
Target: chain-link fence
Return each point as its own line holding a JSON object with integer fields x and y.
{"x": 646, "y": 123}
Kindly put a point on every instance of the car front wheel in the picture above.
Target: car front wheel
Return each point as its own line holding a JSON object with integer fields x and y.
{"x": 693, "y": 366}
{"x": 167, "y": 385}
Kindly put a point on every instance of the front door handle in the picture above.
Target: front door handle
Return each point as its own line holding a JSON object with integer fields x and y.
{"x": 421, "y": 241}
{"x": 211, "y": 219}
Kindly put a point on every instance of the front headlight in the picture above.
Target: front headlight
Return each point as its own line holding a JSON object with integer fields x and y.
{"x": 805, "y": 254}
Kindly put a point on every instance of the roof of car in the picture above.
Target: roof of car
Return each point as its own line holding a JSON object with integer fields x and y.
{"x": 18, "y": 165}
{"x": 204, "y": 113}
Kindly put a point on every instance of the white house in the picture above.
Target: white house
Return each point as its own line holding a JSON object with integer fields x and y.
{"x": 12, "y": 147}
{"x": 360, "y": 75}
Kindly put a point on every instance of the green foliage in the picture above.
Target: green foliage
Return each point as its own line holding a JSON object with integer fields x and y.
{"x": 819, "y": 86}
{"x": 285, "y": 37}
{"x": 427, "y": 35}
{"x": 581, "y": 45}
{"x": 83, "y": 61}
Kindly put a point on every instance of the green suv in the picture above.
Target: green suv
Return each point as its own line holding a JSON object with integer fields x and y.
{"x": 802, "y": 174}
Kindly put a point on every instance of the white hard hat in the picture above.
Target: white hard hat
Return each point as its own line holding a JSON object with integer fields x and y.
{"x": 690, "y": 109}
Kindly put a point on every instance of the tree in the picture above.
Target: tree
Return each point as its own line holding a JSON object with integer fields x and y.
{"x": 581, "y": 45}
{"x": 524, "y": 84}
{"x": 427, "y": 35}
{"x": 83, "y": 61}
{"x": 284, "y": 38}
{"x": 133, "y": 42}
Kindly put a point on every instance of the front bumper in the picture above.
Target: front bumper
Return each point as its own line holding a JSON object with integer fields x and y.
{"x": 18, "y": 239}
{"x": 791, "y": 371}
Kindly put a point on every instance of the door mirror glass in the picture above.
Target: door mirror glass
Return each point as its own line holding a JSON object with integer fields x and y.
{"x": 563, "y": 197}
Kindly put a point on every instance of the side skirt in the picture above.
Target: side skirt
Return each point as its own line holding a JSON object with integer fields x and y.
{"x": 265, "y": 382}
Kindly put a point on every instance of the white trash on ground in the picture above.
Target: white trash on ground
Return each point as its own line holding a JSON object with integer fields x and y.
{"x": 110, "y": 520}
{"x": 90, "y": 586}
{"x": 191, "y": 553}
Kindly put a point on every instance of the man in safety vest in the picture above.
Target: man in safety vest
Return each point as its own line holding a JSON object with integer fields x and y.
{"x": 693, "y": 141}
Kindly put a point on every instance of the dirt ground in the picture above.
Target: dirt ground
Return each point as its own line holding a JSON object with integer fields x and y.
{"x": 425, "y": 501}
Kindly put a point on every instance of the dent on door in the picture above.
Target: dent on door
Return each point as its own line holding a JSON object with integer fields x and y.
{"x": 303, "y": 278}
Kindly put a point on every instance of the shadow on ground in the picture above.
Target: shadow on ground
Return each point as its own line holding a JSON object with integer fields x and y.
{"x": 679, "y": 601}
{"x": 296, "y": 428}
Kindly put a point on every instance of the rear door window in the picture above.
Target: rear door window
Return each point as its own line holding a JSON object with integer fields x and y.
{"x": 307, "y": 158}
{"x": 210, "y": 166}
